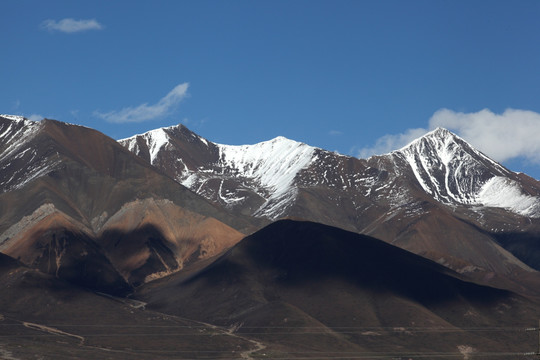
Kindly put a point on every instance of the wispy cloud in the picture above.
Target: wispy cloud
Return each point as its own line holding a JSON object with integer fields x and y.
{"x": 509, "y": 135}
{"x": 70, "y": 25}
{"x": 35, "y": 117}
{"x": 390, "y": 142}
{"x": 335, "y": 133}
{"x": 147, "y": 112}
{"x": 512, "y": 134}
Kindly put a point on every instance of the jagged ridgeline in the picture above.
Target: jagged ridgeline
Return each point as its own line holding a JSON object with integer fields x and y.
{"x": 438, "y": 196}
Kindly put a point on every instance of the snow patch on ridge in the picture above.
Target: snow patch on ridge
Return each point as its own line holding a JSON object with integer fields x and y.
{"x": 15, "y": 134}
{"x": 13, "y": 117}
{"x": 506, "y": 193}
{"x": 155, "y": 140}
{"x": 15, "y": 148}
{"x": 273, "y": 164}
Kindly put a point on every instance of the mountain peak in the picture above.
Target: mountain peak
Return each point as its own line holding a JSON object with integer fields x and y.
{"x": 438, "y": 135}
{"x": 440, "y": 131}
{"x": 445, "y": 145}
{"x": 278, "y": 140}
{"x": 283, "y": 140}
{"x": 449, "y": 168}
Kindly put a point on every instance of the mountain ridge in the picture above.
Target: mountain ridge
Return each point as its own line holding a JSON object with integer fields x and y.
{"x": 447, "y": 147}
{"x": 437, "y": 196}
{"x": 381, "y": 196}
{"x": 93, "y": 202}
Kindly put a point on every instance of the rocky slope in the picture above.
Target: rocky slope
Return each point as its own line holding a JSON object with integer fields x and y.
{"x": 446, "y": 167}
{"x": 76, "y": 204}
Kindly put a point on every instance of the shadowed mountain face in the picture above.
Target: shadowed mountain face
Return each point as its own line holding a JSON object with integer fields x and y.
{"x": 298, "y": 275}
{"x": 76, "y": 204}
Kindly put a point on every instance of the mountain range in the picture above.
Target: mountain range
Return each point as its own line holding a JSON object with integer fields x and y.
{"x": 437, "y": 197}
{"x": 281, "y": 248}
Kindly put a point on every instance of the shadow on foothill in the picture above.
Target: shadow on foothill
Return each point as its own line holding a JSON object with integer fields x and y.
{"x": 114, "y": 263}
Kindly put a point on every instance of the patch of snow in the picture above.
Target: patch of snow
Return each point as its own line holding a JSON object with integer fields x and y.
{"x": 6, "y": 131}
{"x": 190, "y": 180}
{"x": 36, "y": 171}
{"x": 133, "y": 146}
{"x": 409, "y": 156}
{"x": 505, "y": 193}
{"x": 13, "y": 117}
{"x": 276, "y": 205}
{"x": 273, "y": 164}
{"x": 17, "y": 136}
{"x": 156, "y": 139}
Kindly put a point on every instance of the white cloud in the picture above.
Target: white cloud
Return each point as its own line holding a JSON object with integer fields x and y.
{"x": 391, "y": 142}
{"x": 147, "y": 112}
{"x": 35, "y": 117}
{"x": 512, "y": 134}
{"x": 71, "y": 25}
{"x": 335, "y": 133}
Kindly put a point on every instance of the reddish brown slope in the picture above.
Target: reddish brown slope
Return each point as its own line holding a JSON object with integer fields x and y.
{"x": 90, "y": 185}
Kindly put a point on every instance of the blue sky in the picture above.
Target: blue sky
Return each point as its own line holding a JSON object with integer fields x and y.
{"x": 357, "y": 77}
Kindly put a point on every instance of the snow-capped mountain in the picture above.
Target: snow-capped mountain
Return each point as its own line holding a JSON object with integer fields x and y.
{"x": 438, "y": 196}
{"x": 76, "y": 205}
{"x": 445, "y": 167}
{"x": 83, "y": 209}
{"x": 452, "y": 171}
{"x": 435, "y": 192}
{"x": 261, "y": 176}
